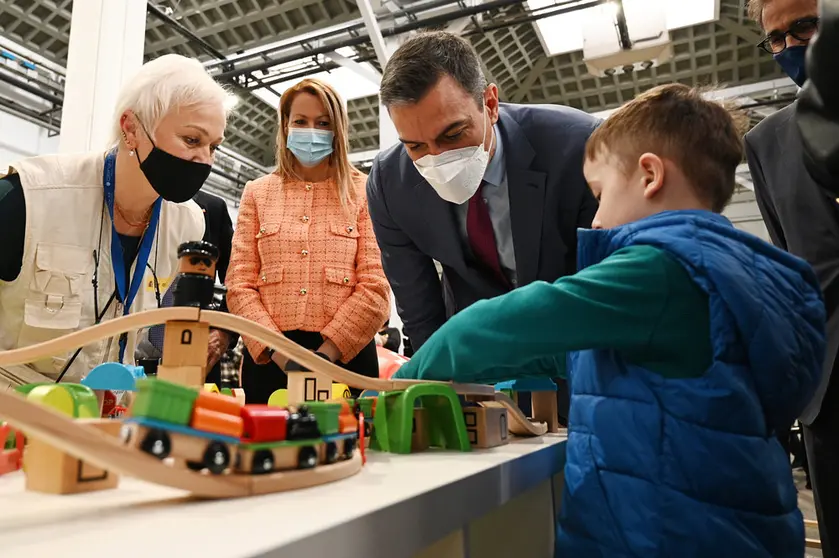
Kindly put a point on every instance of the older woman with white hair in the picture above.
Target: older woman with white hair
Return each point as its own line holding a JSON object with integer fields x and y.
{"x": 93, "y": 236}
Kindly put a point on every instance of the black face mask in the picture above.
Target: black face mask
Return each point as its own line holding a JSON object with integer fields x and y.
{"x": 174, "y": 179}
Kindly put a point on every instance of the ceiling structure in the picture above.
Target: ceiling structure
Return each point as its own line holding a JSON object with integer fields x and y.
{"x": 224, "y": 34}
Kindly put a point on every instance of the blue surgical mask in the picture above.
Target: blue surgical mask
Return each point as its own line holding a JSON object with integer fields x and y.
{"x": 792, "y": 61}
{"x": 310, "y": 145}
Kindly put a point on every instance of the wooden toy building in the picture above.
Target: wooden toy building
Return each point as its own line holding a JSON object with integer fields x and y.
{"x": 185, "y": 342}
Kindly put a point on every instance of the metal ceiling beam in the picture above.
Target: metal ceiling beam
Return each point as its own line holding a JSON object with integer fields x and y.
{"x": 29, "y": 88}
{"x": 33, "y": 57}
{"x": 28, "y": 115}
{"x": 351, "y": 27}
{"x": 374, "y": 32}
{"x": 282, "y": 8}
{"x": 561, "y": 9}
{"x": 531, "y": 16}
{"x": 205, "y": 46}
{"x": 301, "y": 52}
{"x": 307, "y": 71}
{"x": 367, "y": 73}
{"x": 726, "y": 93}
{"x": 530, "y": 79}
{"x": 747, "y": 34}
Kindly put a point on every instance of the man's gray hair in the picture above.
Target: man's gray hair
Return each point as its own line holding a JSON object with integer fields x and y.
{"x": 756, "y": 10}
{"x": 422, "y": 60}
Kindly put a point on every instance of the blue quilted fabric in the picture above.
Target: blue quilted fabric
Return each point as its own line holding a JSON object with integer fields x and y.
{"x": 690, "y": 467}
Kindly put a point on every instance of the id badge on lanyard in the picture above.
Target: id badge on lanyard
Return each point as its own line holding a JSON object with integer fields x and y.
{"x": 126, "y": 290}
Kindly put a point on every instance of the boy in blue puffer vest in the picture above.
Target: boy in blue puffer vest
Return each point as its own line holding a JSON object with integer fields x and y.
{"x": 688, "y": 345}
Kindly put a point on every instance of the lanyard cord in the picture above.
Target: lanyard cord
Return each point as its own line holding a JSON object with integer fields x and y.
{"x": 79, "y": 350}
{"x": 156, "y": 284}
{"x": 97, "y": 315}
{"x": 96, "y": 264}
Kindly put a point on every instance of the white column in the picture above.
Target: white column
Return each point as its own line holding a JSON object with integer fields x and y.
{"x": 387, "y": 132}
{"x": 107, "y": 38}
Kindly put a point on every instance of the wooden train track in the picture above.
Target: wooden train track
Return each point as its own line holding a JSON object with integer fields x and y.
{"x": 310, "y": 360}
{"x": 99, "y": 449}
{"x": 107, "y": 452}
{"x": 519, "y": 423}
{"x": 111, "y": 328}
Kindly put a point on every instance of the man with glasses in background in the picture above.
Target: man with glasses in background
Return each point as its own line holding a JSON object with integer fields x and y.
{"x": 802, "y": 218}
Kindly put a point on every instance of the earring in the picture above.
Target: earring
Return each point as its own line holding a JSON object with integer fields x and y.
{"x": 131, "y": 153}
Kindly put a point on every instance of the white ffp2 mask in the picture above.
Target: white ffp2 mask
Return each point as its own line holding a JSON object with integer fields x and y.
{"x": 456, "y": 175}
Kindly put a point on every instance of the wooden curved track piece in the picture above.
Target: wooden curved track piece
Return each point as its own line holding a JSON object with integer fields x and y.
{"x": 519, "y": 424}
{"x": 107, "y": 452}
{"x": 97, "y": 448}
{"x": 278, "y": 342}
{"x": 310, "y": 360}
{"x": 111, "y": 328}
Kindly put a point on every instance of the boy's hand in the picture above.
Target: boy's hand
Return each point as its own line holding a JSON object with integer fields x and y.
{"x": 408, "y": 371}
{"x": 426, "y": 363}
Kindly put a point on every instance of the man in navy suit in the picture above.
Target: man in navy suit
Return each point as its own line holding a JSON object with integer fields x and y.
{"x": 492, "y": 191}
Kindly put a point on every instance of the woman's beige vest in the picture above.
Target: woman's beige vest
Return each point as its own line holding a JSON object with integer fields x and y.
{"x": 53, "y": 295}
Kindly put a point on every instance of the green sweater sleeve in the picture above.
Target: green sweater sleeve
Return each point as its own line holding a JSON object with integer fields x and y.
{"x": 630, "y": 302}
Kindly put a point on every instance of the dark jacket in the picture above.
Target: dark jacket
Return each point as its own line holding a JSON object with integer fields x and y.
{"x": 219, "y": 230}
{"x": 818, "y": 113}
{"x": 793, "y": 157}
{"x": 549, "y": 198}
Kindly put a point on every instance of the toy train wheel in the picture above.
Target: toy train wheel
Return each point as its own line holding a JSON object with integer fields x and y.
{"x": 216, "y": 459}
{"x": 263, "y": 462}
{"x": 125, "y": 433}
{"x": 307, "y": 458}
{"x": 331, "y": 452}
{"x": 157, "y": 443}
{"x": 349, "y": 447}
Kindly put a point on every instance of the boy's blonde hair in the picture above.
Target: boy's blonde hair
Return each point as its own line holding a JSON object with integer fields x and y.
{"x": 702, "y": 137}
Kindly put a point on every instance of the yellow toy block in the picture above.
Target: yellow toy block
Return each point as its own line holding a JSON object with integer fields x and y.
{"x": 54, "y": 396}
{"x": 212, "y": 388}
{"x": 341, "y": 391}
{"x": 279, "y": 398}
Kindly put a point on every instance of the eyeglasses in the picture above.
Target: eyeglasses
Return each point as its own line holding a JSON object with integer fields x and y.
{"x": 802, "y": 30}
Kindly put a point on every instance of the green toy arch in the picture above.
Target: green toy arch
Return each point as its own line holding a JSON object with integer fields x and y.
{"x": 393, "y": 423}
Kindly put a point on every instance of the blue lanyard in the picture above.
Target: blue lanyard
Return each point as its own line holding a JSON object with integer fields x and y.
{"x": 127, "y": 292}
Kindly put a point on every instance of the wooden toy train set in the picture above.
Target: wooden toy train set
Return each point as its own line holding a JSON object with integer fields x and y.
{"x": 175, "y": 431}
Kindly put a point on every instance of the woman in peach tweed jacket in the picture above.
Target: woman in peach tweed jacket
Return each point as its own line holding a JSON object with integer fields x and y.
{"x": 305, "y": 261}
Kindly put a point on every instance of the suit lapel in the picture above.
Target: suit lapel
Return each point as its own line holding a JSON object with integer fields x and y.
{"x": 526, "y": 189}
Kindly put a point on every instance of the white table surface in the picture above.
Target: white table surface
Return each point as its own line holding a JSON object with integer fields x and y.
{"x": 396, "y": 506}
